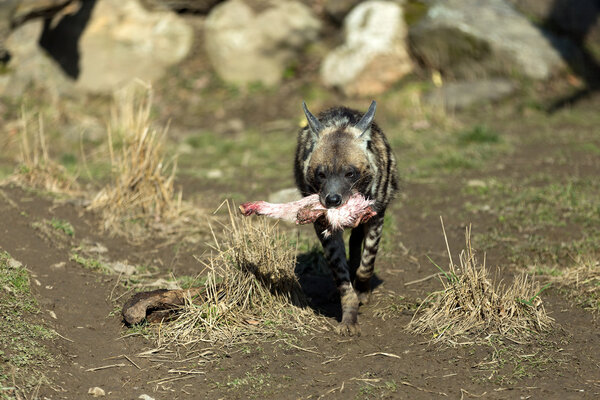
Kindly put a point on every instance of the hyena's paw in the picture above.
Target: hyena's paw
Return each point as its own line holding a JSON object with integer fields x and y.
{"x": 348, "y": 329}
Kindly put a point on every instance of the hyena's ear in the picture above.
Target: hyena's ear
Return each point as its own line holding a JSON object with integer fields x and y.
{"x": 313, "y": 122}
{"x": 365, "y": 122}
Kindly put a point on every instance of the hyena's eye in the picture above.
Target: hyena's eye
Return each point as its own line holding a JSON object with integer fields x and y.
{"x": 351, "y": 173}
{"x": 321, "y": 175}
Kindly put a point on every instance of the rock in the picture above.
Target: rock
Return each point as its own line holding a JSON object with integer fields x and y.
{"x": 123, "y": 41}
{"x": 27, "y": 9}
{"x": 100, "y": 47}
{"x": 483, "y": 37}
{"x": 338, "y": 9}
{"x": 246, "y": 46}
{"x": 191, "y": 6}
{"x": 14, "y": 12}
{"x": 457, "y": 95}
{"x": 124, "y": 268}
{"x": 374, "y": 54}
{"x": 96, "y": 391}
{"x": 576, "y": 18}
{"x": 30, "y": 65}
{"x": 285, "y": 196}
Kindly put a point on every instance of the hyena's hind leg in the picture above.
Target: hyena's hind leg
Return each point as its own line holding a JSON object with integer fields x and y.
{"x": 335, "y": 254}
{"x": 372, "y": 236}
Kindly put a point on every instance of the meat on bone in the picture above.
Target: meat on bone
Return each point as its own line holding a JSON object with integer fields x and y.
{"x": 355, "y": 211}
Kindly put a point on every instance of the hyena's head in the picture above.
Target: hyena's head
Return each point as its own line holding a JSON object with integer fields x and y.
{"x": 339, "y": 164}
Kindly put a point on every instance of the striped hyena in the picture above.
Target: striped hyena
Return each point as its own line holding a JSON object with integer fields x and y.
{"x": 339, "y": 153}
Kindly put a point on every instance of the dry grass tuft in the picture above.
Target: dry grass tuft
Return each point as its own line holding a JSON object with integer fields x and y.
{"x": 36, "y": 169}
{"x": 582, "y": 283}
{"x": 141, "y": 200}
{"x": 472, "y": 307}
{"x": 250, "y": 289}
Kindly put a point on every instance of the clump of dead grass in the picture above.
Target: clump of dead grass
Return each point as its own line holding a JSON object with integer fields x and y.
{"x": 141, "y": 199}
{"x": 36, "y": 169}
{"x": 251, "y": 289}
{"x": 581, "y": 282}
{"x": 472, "y": 307}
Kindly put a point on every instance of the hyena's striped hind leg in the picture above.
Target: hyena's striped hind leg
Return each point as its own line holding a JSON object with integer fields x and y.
{"x": 372, "y": 236}
{"x": 335, "y": 254}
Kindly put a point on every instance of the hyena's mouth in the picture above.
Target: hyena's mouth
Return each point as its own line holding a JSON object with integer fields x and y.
{"x": 334, "y": 201}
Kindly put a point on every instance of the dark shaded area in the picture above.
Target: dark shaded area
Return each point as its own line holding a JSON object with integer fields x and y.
{"x": 577, "y": 17}
{"x": 61, "y": 41}
{"x": 318, "y": 285}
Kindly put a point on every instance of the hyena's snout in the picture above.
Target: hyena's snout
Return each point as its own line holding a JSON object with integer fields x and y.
{"x": 333, "y": 200}
{"x": 334, "y": 193}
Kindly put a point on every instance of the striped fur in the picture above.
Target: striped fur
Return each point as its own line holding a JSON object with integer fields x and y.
{"x": 341, "y": 152}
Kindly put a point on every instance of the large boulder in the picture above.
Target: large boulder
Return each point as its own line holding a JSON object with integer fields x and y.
{"x": 14, "y": 12}
{"x": 462, "y": 38}
{"x": 30, "y": 65}
{"x": 99, "y": 47}
{"x": 577, "y": 19}
{"x": 123, "y": 41}
{"x": 459, "y": 95}
{"x": 374, "y": 54}
{"x": 246, "y": 45}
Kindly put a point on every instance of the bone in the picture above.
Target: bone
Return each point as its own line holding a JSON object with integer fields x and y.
{"x": 355, "y": 211}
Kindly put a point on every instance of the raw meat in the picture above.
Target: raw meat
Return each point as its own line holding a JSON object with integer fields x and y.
{"x": 308, "y": 209}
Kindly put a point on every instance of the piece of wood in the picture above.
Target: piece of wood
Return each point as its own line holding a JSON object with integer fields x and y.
{"x": 157, "y": 304}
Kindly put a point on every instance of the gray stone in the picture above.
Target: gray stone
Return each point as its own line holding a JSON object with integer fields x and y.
{"x": 374, "y": 54}
{"x": 479, "y": 37}
{"x": 245, "y": 46}
{"x": 457, "y": 95}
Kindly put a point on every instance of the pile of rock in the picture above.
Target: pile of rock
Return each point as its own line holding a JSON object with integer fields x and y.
{"x": 97, "y": 45}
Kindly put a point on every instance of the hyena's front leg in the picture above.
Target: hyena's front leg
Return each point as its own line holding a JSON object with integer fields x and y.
{"x": 362, "y": 281}
{"x": 335, "y": 254}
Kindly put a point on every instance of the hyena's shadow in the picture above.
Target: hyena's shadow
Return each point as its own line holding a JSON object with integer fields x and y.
{"x": 317, "y": 283}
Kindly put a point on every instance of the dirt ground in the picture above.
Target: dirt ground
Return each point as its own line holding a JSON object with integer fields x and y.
{"x": 532, "y": 202}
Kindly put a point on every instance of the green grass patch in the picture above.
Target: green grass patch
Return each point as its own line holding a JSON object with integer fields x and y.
{"x": 542, "y": 220}
{"x": 92, "y": 264}
{"x": 63, "y": 226}
{"x": 478, "y": 134}
{"x": 509, "y": 364}
{"x": 22, "y": 348}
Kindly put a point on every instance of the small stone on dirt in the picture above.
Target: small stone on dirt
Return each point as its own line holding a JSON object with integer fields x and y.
{"x": 96, "y": 391}
{"x": 58, "y": 265}
{"x": 123, "y": 268}
{"x": 145, "y": 397}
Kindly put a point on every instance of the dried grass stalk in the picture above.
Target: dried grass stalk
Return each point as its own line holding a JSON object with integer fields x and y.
{"x": 143, "y": 187}
{"x": 36, "y": 168}
{"x": 471, "y": 306}
{"x": 251, "y": 289}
